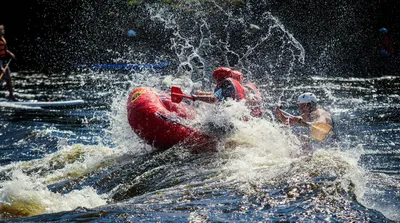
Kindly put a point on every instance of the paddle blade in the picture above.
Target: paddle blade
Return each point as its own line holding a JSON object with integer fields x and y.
{"x": 320, "y": 131}
{"x": 176, "y": 94}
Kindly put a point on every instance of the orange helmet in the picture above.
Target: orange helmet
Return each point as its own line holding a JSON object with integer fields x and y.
{"x": 237, "y": 75}
{"x": 221, "y": 73}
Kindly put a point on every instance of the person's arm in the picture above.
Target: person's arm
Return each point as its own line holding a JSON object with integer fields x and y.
{"x": 289, "y": 119}
{"x": 324, "y": 117}
{"x": 204, "y": 93}
{"x": 283, "y": 118}
{"x": 209, "y": 98}
{"x": 11, "y": 54}
{"x": 205, "y": 96}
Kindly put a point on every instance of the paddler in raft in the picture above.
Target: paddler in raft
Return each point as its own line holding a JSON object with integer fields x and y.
{"x": 318, "y": 119}
{"x": 230, "y": 85}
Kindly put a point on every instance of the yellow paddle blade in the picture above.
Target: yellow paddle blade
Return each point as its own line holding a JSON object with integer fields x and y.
{"x": 320, "y": 131}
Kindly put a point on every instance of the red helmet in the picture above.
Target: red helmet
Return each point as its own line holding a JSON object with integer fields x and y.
{"x": 221, "y": 73}
{"x": 237, "y": 75}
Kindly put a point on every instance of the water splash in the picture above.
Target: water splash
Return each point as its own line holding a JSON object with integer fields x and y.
{"x": 26, "y": 192}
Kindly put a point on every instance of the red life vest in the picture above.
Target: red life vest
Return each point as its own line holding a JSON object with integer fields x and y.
{"x": 248, "y": 91}
{"x": 388, "y": 45}
{"x": 3, "y": 48}
{"x": 254, "y": 100}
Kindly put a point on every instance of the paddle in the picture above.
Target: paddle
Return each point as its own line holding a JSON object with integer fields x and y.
{"x": 5, "y": 69}
{"x": 319, "y": 131}
{"x": 177, "y": 95}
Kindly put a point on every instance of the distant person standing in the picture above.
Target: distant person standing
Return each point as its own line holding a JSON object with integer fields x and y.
{"x": 131, "y": 31}
{"x": 5, "y": 54}
{"x": 386, "y": 48}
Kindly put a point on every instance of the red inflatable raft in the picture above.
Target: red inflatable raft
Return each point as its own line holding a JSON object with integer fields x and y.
{"x": 163, "y": 124}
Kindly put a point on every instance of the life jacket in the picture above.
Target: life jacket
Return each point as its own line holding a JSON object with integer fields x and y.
{"x": 237, "y": 92}
{"x": 387, "y": 45}
{"x": 3, "y": 48}
{"x": 254, "y": 99}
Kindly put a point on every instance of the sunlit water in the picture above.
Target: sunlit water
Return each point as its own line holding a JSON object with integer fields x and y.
{"x": 86, "y": 164}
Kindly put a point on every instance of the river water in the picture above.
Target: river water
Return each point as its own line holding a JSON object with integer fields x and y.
{"x": 86, "y": 164}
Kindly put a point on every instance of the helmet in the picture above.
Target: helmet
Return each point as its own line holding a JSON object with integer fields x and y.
{"x": 237, "y": 75}
{"x": 383, "y": 30}
{"x": 221, "y": 73}
{"x": 131, "y": 33}
{"x": 306, "y": 98}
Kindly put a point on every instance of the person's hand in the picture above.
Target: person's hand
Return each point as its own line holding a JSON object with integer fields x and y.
{"x": 296, "y": 120}
{"x": 278, "y": 111}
